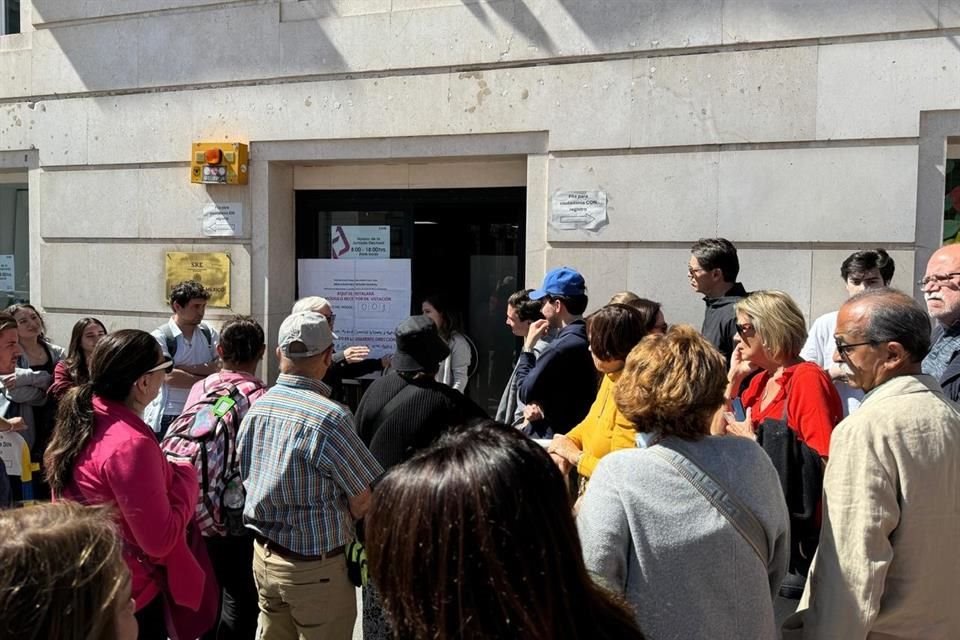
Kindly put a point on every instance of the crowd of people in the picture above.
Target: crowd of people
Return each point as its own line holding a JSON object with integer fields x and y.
{"x": 750, "y": 479}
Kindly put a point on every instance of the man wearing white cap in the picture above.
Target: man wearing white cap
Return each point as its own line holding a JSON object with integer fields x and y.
{"x": 307, "y": 476}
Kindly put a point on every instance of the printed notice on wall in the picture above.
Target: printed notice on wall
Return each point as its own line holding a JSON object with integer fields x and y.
{"x": 7, "y": 281}
{"x": 370, "y": 298}
{"x": 365, "y": 242}
{"x": 223, "y": 220}
{"x": 212, "y": 270}
{"x": 572, "y": 210}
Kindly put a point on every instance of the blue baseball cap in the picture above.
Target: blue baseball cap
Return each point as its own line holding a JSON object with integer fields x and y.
{"x": 563, "y": 282}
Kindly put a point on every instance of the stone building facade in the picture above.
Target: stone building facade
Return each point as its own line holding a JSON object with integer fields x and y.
{"x": 799, "y": 130}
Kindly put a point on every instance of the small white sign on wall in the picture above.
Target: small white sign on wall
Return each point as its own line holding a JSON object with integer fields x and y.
{"x": 572, "y": 210}
{"x": 223, "y": 220}
{"x": 7, "y": 280}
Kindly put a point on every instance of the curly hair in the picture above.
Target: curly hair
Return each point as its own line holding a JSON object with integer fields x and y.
{"x": 183, "y": 292}
{"x": 672, "y": 384}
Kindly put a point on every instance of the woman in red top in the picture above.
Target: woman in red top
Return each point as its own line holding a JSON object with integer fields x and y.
{"x": 791, "y": 408}
{"x": 771, "y": 332}
{"x": 103, "y": 453}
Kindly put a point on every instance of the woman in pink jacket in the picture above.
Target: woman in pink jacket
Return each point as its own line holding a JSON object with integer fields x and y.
{"x": 103, "y": 453}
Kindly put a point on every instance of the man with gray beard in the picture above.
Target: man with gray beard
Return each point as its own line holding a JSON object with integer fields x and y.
{"x": 941, "y": 290}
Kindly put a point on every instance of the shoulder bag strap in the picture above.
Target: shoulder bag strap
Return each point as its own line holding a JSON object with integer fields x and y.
{"x": 731, "y": 507}
{"x": 169, "y": 339}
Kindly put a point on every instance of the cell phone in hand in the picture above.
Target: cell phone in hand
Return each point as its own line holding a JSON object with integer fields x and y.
{"x": 738, "y": 411}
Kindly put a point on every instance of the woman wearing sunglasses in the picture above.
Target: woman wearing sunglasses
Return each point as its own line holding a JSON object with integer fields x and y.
{"x": 789, "y": 407}
{"x": 103, "y": 452}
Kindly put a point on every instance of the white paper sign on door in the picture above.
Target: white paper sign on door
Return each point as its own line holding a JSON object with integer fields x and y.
{"x": 370, "y": 297}
{"x": 7, "y": 281}
{"x": 359, "y": 242}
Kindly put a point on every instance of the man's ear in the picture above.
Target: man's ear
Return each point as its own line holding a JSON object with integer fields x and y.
{"x": 896, "y": 356}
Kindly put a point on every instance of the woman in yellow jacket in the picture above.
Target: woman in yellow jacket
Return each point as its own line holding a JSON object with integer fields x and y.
{"x": 612, "y": 332}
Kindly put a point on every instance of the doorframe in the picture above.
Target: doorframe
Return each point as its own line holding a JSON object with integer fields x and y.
{"x": 272, "y": 173}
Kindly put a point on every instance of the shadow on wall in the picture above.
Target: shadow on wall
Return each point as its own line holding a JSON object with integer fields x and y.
{"x": 518, "y": 15}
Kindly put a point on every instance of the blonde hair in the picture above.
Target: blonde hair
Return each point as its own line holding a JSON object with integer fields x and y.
{"x": 672, "y": 384}
{"x": 61, "y": 572}
{"x": 778, "y": 322}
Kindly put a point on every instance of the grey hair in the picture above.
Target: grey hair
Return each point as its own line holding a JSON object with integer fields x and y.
{"x": 310, "y": 303}
{"x": 895, "y": 317}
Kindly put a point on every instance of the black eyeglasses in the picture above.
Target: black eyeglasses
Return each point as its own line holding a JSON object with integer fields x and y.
{"x": 844, "y": 349}
{"x": 742, "y": 329}
{"x": 939, "y": 279}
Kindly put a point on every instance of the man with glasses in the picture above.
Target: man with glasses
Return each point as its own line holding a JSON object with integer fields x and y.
{"x": 870, "y": 269}
{"x": 562, "y": 382}
{"x": 941, "y": 290}
{"x": 887, "y": 565}
{"x": 713, "y": 270}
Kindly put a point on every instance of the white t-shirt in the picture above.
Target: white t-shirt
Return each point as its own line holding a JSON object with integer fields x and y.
{"x": 189, "y": 352}
{"x": 819, "y": 349}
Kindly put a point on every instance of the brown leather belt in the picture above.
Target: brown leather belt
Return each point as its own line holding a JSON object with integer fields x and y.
{"x": 283, "y": 552}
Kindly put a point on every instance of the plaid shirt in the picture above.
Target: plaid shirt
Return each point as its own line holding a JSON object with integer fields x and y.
{"x": 300, "y": 459}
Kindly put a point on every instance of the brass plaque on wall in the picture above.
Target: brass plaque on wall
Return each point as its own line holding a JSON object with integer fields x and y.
{"x": 212, "y": 270}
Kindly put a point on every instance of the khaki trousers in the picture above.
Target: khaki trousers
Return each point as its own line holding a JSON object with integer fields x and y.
{"x": 303, "y": 599}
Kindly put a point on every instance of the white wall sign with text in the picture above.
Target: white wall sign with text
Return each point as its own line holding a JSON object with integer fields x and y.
{"x": 224, "y": 219}
{"x": 370, "y": 298}
{"x": 572, "y": 210}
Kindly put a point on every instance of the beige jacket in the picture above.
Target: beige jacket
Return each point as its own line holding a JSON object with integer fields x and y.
{"x": 888, "y": 566}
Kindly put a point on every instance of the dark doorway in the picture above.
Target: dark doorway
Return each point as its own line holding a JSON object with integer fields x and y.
{"x": 467, "y": 244}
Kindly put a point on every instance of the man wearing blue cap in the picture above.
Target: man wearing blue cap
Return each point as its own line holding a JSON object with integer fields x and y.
{"x": 562, "y": 382}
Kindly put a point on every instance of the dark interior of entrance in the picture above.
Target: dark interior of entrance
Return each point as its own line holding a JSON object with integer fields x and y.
{"x": 466, "y": 244}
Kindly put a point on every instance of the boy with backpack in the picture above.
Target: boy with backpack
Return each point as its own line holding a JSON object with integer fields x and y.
{"x": 191, "y": 344}
{"x": 206, "y": 434}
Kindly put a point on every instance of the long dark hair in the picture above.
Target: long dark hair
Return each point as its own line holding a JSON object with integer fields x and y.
{"x": 474, "y": 538}
{"x": 452, "y": 322}
{"x": 118, "y": 360}
{"x": 76, "y": 359}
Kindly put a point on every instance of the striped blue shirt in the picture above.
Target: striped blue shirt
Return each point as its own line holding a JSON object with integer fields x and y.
{"x": 300, "y": 459}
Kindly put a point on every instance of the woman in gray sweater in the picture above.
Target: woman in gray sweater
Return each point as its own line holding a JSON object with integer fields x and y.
{"x": 650, "y": 534}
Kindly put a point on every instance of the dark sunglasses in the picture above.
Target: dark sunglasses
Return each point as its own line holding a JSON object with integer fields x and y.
{"x": 742, "y": 329}
{"x": 166, "y": 366}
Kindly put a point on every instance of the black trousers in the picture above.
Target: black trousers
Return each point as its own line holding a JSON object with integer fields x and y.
{"x": 232, "y": 558}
